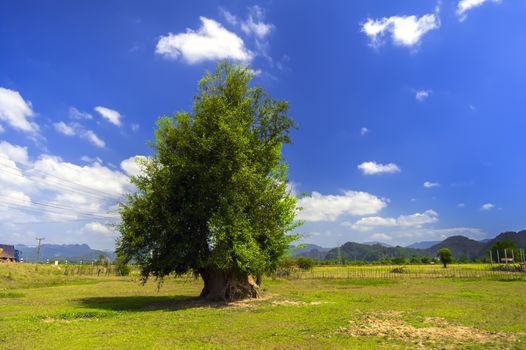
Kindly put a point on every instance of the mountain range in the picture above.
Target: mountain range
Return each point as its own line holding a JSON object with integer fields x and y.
{"x": 71, "y": 252}
{"x": 461, "y": 247}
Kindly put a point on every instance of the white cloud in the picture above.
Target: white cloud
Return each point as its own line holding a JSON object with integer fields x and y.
{"x": 65, "y": 129}
{"x": 320, "y": 207}
{"x": 230, "y": 18}
{"x": 15, "y": 153}
{"x": 364, "y": 131}
{"x": 55, "y": 189}
{"x": 413, "y": 220}
{"x": 99, "y": 228}
{"x": 78, "y": 115}
{"x": 131, "y": 165}
{"x": 110, "y": 115}
{"x": 254, "y": 24}
{"x": 429, "y": 184}
{"x": 12, "y": 178}
{"x": 368, "y": 223}
{"x": 210, "y": 42}
{"x": 16, "y": 196}
{"x": 373, "y": 168}
{"x": 93, "y": 138}
{"x": 461, "y": 205}
{"x": 255, "y": 72}
{"x": 418, "y": 219}
{"x": 487, "y": 206}
{"x": 67, "y": 202}
{"x": 422, "y": 95}
{"x": 75, "y": 128}
{"x": 381, "y": 237}
{"x": 405, "y": 30}
{"x": 15, "y": 111}
{"x": 88, "y": 159}
{"x": 135, "y": 127}
{"x": 464, "y": 6}
{"x": 94, "y": 176}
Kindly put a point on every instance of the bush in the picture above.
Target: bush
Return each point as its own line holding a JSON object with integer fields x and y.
{"x": 426, "y": 260}
{"x": 415, "y": 260}
{"x": 399, "y": 261}
{"x": 123, "y": 269}
{"x": 288, "y": 263}
{"x": 305, "y": 263}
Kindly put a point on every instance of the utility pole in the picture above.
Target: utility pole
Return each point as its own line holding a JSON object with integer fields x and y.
{"x": 38, "y": 248}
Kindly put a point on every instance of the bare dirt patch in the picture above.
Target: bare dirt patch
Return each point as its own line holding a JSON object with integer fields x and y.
{"x": 296, "y": 303}
{"x": 436, "y": 333}
{"x": 274, "y": 301}
{"x": 251, "y": 302}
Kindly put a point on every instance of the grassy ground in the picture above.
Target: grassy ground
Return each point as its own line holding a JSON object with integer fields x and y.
{"x": 80, "y": 312}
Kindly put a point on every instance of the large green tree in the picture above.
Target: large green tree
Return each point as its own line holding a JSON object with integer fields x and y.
{"x": 214, "y": 199}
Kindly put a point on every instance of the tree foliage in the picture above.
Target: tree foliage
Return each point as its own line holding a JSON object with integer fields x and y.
{"x": 445, "y": 256}
{"x": 507, "y": 244}
{"x": 305, "y": 264}
{"x": 503, "y": 248}
{"x": 214, "y": 198}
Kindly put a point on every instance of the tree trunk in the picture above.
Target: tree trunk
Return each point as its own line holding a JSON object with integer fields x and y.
{"x": 227, "y": 286}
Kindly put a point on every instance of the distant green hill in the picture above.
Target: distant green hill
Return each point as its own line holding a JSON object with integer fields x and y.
{"x": 358, "y": 251}
{"x": 312, "y": 251}
{"x": 518, "y": 237}
{"x": 461, "y": 247}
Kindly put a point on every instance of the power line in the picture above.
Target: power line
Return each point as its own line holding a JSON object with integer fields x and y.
{"x": 58, "y": 222}
{"x": 89, "y": 190}
{"x": 49, "y": 208}
{"x": 60, "y": 186}
{"x": 55, "y": 176}
{"x": 51, "y": 205}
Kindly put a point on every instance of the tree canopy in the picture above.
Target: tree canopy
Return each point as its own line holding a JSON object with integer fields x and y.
{"x": 507, "y": 244}
{"x": 213, "y": 199}
{"x": 445, "y": 256}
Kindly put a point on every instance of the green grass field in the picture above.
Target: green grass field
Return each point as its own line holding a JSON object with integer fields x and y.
{"x": 42, "y": 308}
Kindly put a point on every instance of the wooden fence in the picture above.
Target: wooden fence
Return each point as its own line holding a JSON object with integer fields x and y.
{"x": 404, "y": 272}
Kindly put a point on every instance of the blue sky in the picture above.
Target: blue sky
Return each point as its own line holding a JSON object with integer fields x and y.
{"x": 412, "y": 113}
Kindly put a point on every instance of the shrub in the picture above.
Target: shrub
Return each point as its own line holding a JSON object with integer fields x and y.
{"x": 425, "y": 260}
{"x": 305, "y": 263}
{"x": 123, "y": 269}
